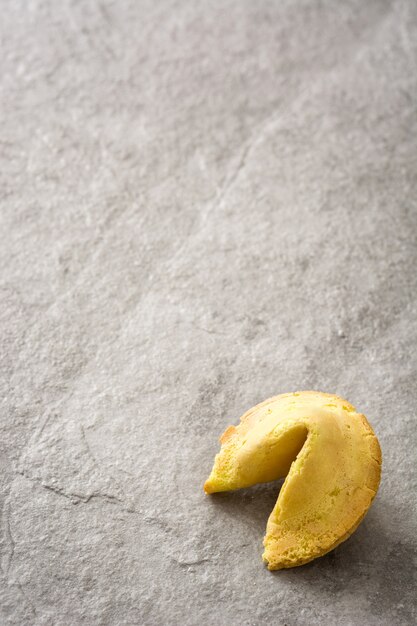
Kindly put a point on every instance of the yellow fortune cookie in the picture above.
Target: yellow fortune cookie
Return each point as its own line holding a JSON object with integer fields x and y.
{"x": 332, "y": 462}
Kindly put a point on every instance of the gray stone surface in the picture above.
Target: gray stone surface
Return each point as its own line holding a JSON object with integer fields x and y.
{"x": 202, "y": 204}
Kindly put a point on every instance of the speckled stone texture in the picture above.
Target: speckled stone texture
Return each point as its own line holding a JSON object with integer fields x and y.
{"x": 203, "y": 204}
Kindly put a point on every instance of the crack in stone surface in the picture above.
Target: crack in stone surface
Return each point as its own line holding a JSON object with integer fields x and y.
{"x": 7, "y": 570}
{"x": 75, "y": 498}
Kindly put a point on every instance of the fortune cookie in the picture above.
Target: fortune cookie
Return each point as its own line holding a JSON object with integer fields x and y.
{"x": 331, "y": 461}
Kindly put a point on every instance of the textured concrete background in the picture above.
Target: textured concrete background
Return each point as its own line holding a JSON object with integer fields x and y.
{"x": 203, "y": 204}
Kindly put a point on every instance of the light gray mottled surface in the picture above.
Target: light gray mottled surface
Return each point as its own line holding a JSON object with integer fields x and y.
{"x": 202, "y": 204}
